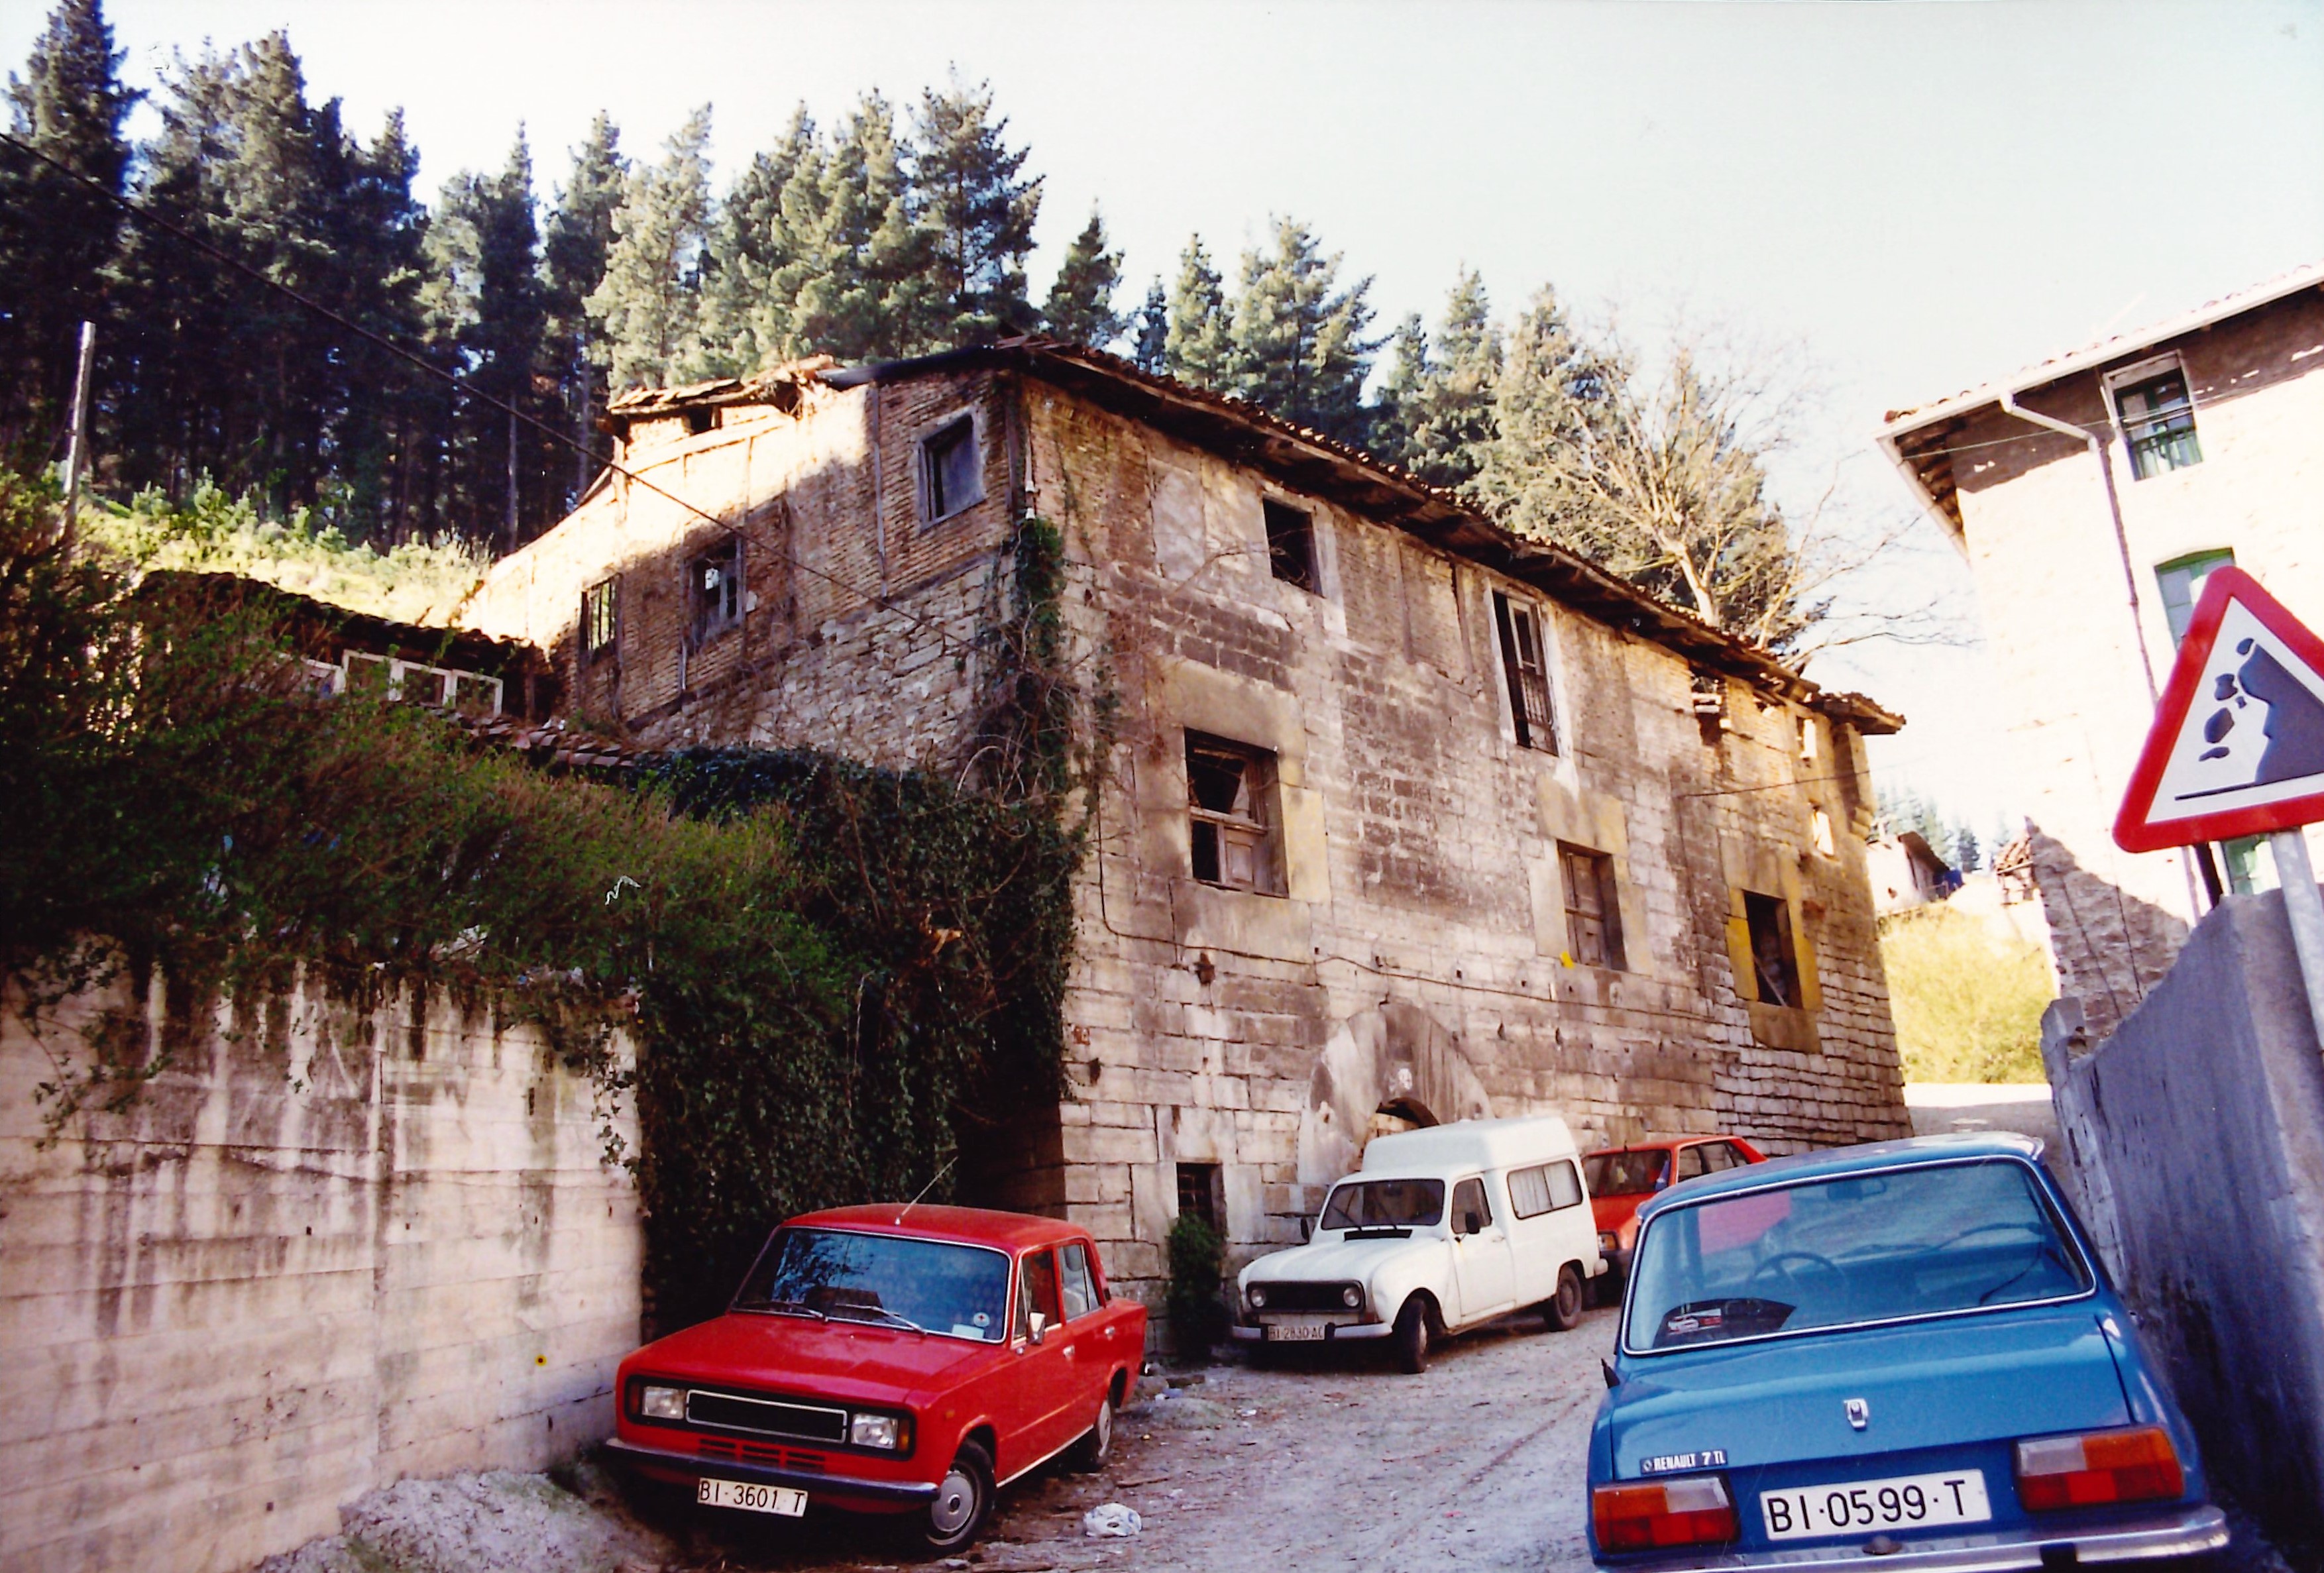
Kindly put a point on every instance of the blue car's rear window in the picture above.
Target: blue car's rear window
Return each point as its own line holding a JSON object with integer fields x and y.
{"x": 1837, "y": 1253}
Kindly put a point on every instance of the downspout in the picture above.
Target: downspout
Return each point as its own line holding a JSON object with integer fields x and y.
{"x": 2098, "y": 447}
{"x": 2200, "y": 863}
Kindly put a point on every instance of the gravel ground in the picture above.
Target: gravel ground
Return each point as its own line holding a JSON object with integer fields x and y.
{"x": 1333, "y": 1462}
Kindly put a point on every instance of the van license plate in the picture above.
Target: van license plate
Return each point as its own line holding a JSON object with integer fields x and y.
{"x": 1906, "y": 1502}
{"x": 749, "y": 1498}
{"x": 1296, "y": 1332}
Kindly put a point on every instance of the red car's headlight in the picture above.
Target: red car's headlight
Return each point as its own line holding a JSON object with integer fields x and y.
{"x": 2090, "y": 1470}
{"x": 1695, "y": 1511}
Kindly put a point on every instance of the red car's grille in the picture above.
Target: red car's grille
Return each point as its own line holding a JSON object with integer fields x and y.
{"x": 761, "y": 1453}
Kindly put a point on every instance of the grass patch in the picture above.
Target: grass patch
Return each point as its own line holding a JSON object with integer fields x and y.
{"x": 1967, "y": 998}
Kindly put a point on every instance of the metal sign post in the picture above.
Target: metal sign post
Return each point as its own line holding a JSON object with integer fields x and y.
{"x": 2238, "y": 750}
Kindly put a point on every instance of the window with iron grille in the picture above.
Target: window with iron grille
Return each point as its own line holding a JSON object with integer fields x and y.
{"x": 2158, "y": 420}
{"x": 1526, "y": 665}
{"x": 1593, "y": 911}
{"x": 717, "y": 589}
{"x": 952, "y": 475}
{"x": 1231, "y": 813}
{"x": 601, "y": 624}
{"x": 1198, "y": 1193}
{"x": 1291, "y": 545}
{"x": 1774, "y": 963}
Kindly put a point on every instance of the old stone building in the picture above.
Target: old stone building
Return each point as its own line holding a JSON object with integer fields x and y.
{"x": 1401, "y": 818}
{"x": 2090, "y": 494}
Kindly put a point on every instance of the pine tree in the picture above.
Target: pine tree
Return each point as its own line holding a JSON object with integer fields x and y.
{"x": 650, "y": 301}
{"x": 1196, "y": 348}
{"x": 1151, "y": 349}
{"x": 966, "y": 180}
{"x": 56, "y": 235}
{"x": 485, "y": 247}
{"x": 1968, "y": 856}
{"x": 1080, "y": 307}
{"x": 1298, "y": 345}
{"x": 860, "y": 283}
{"x": 1436, "y": 414}
{"x": 572, "y": 265}
{"x": 746, "y": 329}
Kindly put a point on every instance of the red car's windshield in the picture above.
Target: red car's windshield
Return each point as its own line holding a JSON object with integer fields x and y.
{"x": 928, "y": 1285}
{"x": 1625, "y": 1174}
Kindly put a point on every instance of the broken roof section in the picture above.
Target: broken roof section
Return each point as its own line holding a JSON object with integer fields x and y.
{"x": 1916, "y": 439}
{"x": 1309, "y": 462}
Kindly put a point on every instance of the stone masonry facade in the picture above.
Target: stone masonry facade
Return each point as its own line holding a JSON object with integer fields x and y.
{"x": 2059, "y": 541}
{"x": 1411, "y": 946}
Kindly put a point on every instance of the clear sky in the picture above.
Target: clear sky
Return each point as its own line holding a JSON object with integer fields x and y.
{"x": 1924, "y": 196}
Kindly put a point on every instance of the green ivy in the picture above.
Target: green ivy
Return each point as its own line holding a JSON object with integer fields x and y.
{"x": 832, "y": 973}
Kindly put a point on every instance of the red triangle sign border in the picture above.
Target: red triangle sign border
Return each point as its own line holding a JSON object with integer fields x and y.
{"x": 2133, "y": 830}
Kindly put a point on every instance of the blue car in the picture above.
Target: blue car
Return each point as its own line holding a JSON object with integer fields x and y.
{"x": 1903, "y": 1356}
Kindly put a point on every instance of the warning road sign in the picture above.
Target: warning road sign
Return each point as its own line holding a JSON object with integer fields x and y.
{"x": 2238, "y": 745}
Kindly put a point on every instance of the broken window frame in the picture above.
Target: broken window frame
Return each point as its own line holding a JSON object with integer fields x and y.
{"x": 601, "y": 621}
{"x": 402, "y": 682}
{"x": 954, "y": 434}
{"x": 1291, "y": 545}
{"x": 1525, "y": 668}
{"x": 714, "y": 606}
{"x": 1234, "y": 847}
{"x": 1774, "y": 952}
{"x": 1593, "y": 907}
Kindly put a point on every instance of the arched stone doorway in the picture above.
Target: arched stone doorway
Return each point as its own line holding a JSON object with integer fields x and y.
{"x": 1391, "y": 1067}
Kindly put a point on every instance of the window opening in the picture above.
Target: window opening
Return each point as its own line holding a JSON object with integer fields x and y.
{"x": 1525, "y": 665}
{"x": 2181, "y": 581}
{"x": 1079, "y": 1288}
{"x": 1811, "y": 745}
{"x": 1291, "y": 545}
{"x": 601, "y": 627}
{"x": 699, "y": 421}
{"x": 717, "y": 589}
{"x": 1038, "y": 1282}
{"x": 1198, "y": 1193}
{"x": 1819, "y": 831}
{"x": 951, "y": 476}
{"x": 2248, "y": 871}
{"x": 1593, "y": 908}
{"x": 1773, "y": 963}
{"x": 1471, "y": 1214}
{"x": 1230, "y": 794}
{"x": 2158, "y": 420}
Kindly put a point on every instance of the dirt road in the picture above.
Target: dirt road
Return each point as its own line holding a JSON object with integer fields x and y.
{"x": 1340, "y": 1463}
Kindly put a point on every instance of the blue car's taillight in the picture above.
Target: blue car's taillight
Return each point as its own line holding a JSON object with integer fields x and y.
{"x": 2135, "y": 1465}
{"x": 1693, "y": 1510}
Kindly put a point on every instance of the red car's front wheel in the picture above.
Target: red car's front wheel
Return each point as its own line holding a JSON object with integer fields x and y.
{"x": 963, "y": 1498}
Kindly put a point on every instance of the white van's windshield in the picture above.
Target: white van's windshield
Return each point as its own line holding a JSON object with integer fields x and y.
{"x": 1364, "y": 1204}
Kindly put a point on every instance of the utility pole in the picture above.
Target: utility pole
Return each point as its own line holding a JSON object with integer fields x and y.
{"x": 512, "y": 486}
{"x": 75, "y": 447}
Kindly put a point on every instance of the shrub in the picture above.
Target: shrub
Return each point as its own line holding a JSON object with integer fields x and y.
{"x": 1966, "y": 997}
{"x": 1198, "y": 1319}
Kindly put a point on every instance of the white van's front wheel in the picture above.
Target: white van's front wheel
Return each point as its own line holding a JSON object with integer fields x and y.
{"x": 1563, "y": 1310}
{"x": 1412, "y": 1337}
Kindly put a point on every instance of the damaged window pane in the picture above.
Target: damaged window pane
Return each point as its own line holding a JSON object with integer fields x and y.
{"x": 1229, "y": 793}
{"x": 1291, "y": 545}
{"x": 1774, "y": 961}
{"x": 717, "y": 589}
{"x": 1526, "y": 666}
{"x": 951, "y": 475}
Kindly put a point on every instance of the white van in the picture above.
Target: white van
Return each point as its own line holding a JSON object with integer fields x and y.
{"x": 1441, "y": 1229}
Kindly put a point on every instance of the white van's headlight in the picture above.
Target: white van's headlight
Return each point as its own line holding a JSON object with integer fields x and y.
{"x": 1258, "y": 1297}
{"x": 1352, "y": 1297}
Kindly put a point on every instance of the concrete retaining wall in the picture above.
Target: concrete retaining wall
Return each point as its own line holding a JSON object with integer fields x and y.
{"x": 2196, "y": 1132}
{"x": 328, "y": 1250}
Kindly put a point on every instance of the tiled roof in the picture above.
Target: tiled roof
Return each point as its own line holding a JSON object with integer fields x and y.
{"x": 1898, "y": 421}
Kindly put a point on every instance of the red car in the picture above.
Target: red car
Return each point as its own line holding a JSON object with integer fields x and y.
{"x": 1620, "y": 1179}
{"x": 890, "y": 1359}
